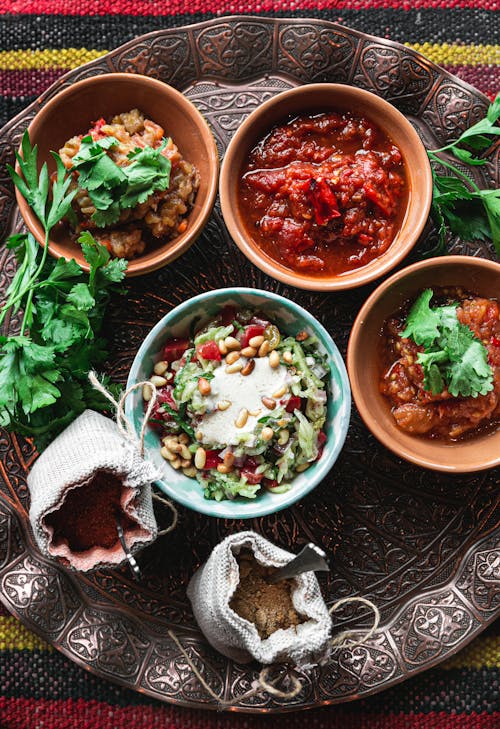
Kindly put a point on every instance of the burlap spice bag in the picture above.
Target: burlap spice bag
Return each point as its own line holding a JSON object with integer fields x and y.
{"x": 88, "y": 479}
{"x": 232, "y": 584}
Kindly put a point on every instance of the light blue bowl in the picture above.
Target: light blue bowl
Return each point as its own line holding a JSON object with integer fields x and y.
{"x": 291, "y": 319}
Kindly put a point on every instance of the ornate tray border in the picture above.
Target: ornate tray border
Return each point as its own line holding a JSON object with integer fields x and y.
{"x": 48, "y": 599}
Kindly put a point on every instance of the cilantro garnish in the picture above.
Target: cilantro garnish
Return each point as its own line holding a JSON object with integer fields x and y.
{"x": 44, "y": 368}
{"x": 113, "y": 188}
{"x": 453, "y": 357}
{"x": 457, "y": 202}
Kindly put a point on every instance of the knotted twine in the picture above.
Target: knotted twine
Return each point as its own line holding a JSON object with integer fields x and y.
{"x": 348, "y": 639}
{"x": 345, "y": 640}
{"x": 126, "y": 428}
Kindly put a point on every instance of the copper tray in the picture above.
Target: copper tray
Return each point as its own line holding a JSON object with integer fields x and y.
{"x": 424, "y": 546}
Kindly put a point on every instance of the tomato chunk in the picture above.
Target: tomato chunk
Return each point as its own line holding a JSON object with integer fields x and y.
{"x": 253, "y": 330}
{"x": 212, "y": 459}
{"x": 209, "y": 350}
{"x": 173, "y": 349}
{"x": 293, "y": 404}
{"x": 252, "y": 477}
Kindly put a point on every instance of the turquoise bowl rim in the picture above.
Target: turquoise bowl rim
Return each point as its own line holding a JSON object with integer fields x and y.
{"x": 248, "y": 509}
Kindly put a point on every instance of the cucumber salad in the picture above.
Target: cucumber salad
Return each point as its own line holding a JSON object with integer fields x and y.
{"x": 240, "y": 405}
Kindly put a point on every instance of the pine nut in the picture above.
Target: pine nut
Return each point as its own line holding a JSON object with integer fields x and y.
{"x": 233, "y": 368}
{"x": 185, "y": 452}
{"x": 190, "y": 471}
{"x": 269, "y": 403}
{"x": 157, "y": 381}
{"x": 147, "y": 393}
{"x": 172, "y": 444}
{"x": 198, "y": 435}
{"x": 266, "y": 433}
{"x": 232, "y": 343}
{"x": 282, "y": 391}
{"x": 283, "y": 437}
{"x": 255, "y": 413}
{"x": 229, "y": 459}
{"x": 204, "y": 386}
{"x": 302, "y": 336}
{"x": 302, "y": 467}
{"x": 223, "y": 404}
{"x": 222, "y": 468}
{"x": 248, "y": 368}
{"x": 288, "y": 357}
{"x": 200, "y": 458}
{"x": 183, "y": 438}
{"x": 264, "y": 348}
{"x": 282, "y": 422}
{"x": 176, "y": 464}
{"x": 160, "y": 368}
{"x": 185, "y": 462}
{"x": 167, "y": 454}
{"x": 248, "y": 352}
{"x": 222, "y": 347}
{"x": 232, "y": 357}
{"x": 242, "y": 418}
{"x": 274, "y": 359}
{"x": 256, "y": 341}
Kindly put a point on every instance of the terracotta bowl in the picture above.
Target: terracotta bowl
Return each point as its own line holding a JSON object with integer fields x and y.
{"x": 72, "y": 112}
{"x": 328, "y": 97}
{"x": 476, "y": 452}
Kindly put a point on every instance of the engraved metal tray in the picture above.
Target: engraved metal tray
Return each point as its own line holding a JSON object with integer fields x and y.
{"x": 424, "y": 546}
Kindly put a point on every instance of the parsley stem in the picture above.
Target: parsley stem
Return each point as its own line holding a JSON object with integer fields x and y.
{"x": 435, "y": 158}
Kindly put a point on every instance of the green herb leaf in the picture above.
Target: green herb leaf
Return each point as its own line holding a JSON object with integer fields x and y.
{"x": 453, "y": 357}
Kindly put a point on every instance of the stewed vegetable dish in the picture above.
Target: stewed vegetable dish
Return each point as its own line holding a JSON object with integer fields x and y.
{"x": 441, "y": 364}
{"x": 325, "y": 193}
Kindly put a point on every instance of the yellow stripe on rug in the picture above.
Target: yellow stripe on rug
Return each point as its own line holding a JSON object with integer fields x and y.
{"x": 47, "y": 58}
{"x": 451, "y": 54}
{"x": 442, "y": 53}
{"x": 14, "y": 636}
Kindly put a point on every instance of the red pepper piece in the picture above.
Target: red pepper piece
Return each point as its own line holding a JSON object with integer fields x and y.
{"x": 209, "y": 350}
{"x": 253, "y": 330}
{"x": 173, "y": 349}
{"x": 212, "y": 460}
{"x": 495, "y": 341}
{"x": 293, "y": 404}
{"x": 323, "y": 200}
{"x": 380, "y": 197}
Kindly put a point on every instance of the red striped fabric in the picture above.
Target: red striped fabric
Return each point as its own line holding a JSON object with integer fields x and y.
{"x": 175, "y": 7}
{"x": 90, "y": 714}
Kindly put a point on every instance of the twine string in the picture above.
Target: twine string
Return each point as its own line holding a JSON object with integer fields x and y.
{"x": 350, "y": 638}
{"x": 262, "y": 683}
{"x": 128, "y": 431}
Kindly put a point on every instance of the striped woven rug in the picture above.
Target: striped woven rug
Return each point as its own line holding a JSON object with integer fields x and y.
{"x": 39, "y": 41}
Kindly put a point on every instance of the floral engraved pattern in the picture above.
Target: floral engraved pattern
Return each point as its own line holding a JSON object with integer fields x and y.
{"x": 425, "y": 547}
{"x": 315, "y": 54}
{"x": 234, "y": 50}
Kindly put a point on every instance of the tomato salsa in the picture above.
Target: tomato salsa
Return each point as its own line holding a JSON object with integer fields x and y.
{"x": 418, "y": 411}
{"x": 324, "y": 193}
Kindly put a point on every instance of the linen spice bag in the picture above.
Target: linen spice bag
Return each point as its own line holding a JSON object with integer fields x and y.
{"x": 245, "y": 620}
{"x": 90, "y": 481}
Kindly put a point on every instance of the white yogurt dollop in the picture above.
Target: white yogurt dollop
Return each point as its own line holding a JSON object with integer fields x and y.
{"x": 218, "y": 426}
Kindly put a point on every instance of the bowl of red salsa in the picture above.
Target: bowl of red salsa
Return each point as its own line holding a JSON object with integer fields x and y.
{"x": 424, "y": 363}
{"x": 326, "y": 187}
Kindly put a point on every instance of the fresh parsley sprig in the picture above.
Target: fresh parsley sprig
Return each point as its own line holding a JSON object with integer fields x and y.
{"x": 44, "y": 368}
{"x": 458, "y": 204}
{"x": 113, "y": 188}
{"x": 453, "y": 357}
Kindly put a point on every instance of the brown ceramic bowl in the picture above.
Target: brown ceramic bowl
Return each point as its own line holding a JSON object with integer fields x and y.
{"x": 72, "y": 112}
{"x": 328, "y": 97}
{"x": 475, "y": 452}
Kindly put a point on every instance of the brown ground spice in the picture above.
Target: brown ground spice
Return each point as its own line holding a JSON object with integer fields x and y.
{"x": 268, "y": 606}
{"x": 86, "y": 518}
